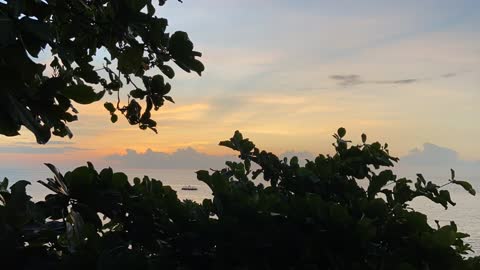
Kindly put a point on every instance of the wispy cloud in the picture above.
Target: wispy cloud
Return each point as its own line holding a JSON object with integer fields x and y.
{"x": 449, "y": 75}
{"x": 39, "y": 150}
{"x": 349, "y": 80}
{"x": 50, "y": 143}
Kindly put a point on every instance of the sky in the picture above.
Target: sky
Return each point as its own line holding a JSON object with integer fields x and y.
{"x": 287, "y": 74}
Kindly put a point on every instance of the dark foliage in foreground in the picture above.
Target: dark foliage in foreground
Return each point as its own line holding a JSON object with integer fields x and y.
{"x": 132, "y": 38}
{"x": 336, "y": 212}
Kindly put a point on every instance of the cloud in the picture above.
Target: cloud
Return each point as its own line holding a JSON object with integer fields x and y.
{"x": 39, "y": 150}
{"x": 404, "y": 81}
{"x": 449, "y": 75}
{"x": 436, "y": 161}
{"x": 431, "y": 160}
{"x": 50, "y": 143}
{"x": 354, "y": 79}
{"x": 187, "y": 158}
{"x": 431, "y": 154}
{"x": 348, "y": 80}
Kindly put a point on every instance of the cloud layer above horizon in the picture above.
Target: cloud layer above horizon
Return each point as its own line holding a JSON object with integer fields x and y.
{"x": 187, "y": 158}
{"x": 431, "y": 160}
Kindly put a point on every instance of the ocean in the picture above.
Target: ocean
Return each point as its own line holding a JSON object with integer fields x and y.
{"x": 466, "y": 213}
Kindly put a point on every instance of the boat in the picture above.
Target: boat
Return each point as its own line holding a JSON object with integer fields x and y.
{"x": 189, "y": 188}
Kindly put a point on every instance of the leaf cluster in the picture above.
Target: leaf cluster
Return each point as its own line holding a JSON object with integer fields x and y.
{"x": 128, "y": 32}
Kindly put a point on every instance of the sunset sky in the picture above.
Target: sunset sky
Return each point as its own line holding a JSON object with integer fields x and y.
{"x": 289, "y": 73}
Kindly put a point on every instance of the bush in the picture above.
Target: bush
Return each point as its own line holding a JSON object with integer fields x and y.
{"x": 335, "y": 212}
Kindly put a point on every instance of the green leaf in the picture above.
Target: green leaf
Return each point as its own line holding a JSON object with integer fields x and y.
{"x": 237, "y": 137}
{"x": 197, "y": 66}
{"x": 203, "y": 175}
{"x": 82, "y": 94}
{"x": 136, "y": 181}
{"x": 421, "y": 179}
{"x": 376, "y": 208}
{"x": 57, "y": 184}
{"x": 106, "y": 174}
{"x": 338, "y": 214}
{"x": 7, "y": 31}
{"x": 131, "y": 59}
{"x": 18, "y": 203}
{"x": 228, "y": 144}
{"x": 341, "y": 132}
{"x": 17, "y": 7}
{"x": 157, "y": 83}
{"x": 150, "y": 9}
{"x": 379, "y": 181}
{"x": 7, "y": 125}
{"x": 19, "y": 187}
{"x": 79, "y": 181}
{"x": 36, "y": 28}
{"x": 445, "y": 196}
{"x": 138, "y": 93}
{"x": 445, "y": 236}
{"x": 364, "y": 137}
{"x": 22, "y": 115}
{"x": 169, "y": 98}
{"x": 120, "y": 180}
{"x": 180, "y": 45}
{"x": 416, "y": 220}
{"x": 4, "y": 184}
{"x": 157, "y": 31}
{"x": 167, "y": 70}
{"x": 466, "y": 185}
{"x": 114, "y": 118}
{"x": 294, "y": 161}
{"x": 109, "y": 106}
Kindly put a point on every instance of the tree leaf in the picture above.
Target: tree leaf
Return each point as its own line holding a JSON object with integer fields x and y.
{"x": 131, "y": 59}
{"x": 24, "y": 116}
{"x": 109, "y": 106}
{"x": 169, "y": 98}
{"x": 4, "y": 184}
{"x": 7, "y": 31}
{"x": 82, "y": 94}
{"x": 168, "y": 71}
{"x": 120, "y": 180}
{"x": 36, "y": 28}
{"x": 466, "y": 185}
{"x": 114, "y": 118}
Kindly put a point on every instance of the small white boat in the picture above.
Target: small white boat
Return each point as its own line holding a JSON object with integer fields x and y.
{"x": 189, "y": 188}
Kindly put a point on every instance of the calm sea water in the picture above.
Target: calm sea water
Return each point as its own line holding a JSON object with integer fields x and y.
{"x": 466, "y": 213}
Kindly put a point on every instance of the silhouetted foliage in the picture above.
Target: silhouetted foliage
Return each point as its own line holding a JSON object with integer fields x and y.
{"x": 74, "y": 32}
{"x": 335, "y": 212}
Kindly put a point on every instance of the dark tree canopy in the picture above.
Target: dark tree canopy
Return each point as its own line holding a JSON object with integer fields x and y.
{"x": 345, "y": 212}
{"x": 73, "y": 32}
